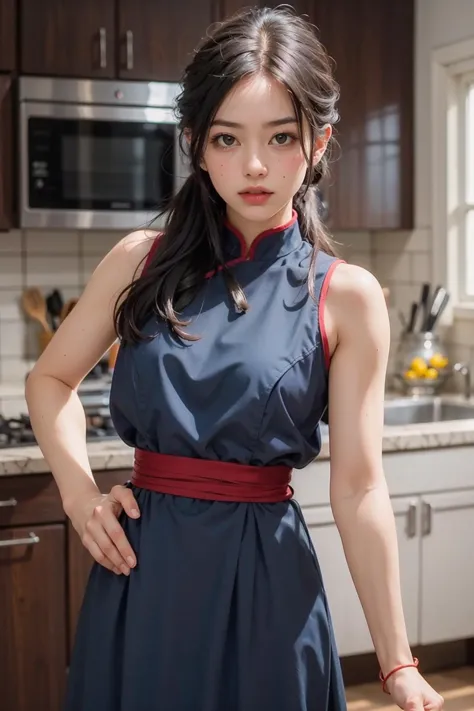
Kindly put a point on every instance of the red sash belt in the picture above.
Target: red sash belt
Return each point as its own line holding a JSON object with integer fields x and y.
{"x": 213, "y": 480}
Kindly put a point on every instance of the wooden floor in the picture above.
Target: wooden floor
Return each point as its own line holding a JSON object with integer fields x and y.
{"x": 456, "y": 686}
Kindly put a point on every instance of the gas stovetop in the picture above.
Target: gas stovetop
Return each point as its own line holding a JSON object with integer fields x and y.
{"x": 17, "y": 432}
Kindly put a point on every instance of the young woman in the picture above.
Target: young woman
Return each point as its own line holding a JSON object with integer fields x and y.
{"x": 237, "y": 325}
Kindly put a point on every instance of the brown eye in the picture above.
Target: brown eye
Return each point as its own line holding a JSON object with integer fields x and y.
{"x": 282, "y": 138}
{"x": 224, "y": 139}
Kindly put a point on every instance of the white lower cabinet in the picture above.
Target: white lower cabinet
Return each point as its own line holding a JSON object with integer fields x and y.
{"x": 352, "y": 634}
{"x": 447, "y": 566}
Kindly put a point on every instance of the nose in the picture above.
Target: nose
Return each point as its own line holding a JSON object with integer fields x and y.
{"x": 254, "y": 166}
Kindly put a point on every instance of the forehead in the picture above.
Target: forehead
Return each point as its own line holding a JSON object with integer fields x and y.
{"x": 256, "y": 99}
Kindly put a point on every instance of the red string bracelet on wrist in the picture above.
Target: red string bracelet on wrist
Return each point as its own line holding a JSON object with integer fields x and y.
{"x": 385, "y": 678}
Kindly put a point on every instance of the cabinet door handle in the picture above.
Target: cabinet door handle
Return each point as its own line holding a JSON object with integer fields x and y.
{"x": 103, "y": 48}
{"x": 8, "y": 502}
{"x": 426, "y": 519}
{"x": 30, "y": 541}
{"x": 129, "y": 47}
{"x": 411, "y": 521}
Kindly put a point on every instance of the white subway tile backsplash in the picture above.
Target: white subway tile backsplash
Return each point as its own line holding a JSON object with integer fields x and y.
{"x": 52, "y": 271}
{"x": 14, "y": 369}
{"x": 388, "y": 242}
{"x": 462, "y": 332}
{"x": 354, "y": 241}
{"x": 52, "y": 242}
{"x": 420, "y": 267}
{"x": 390, "y": 268}
{"x": 99, "y": 242}
{"x": 10, "y": 271}
{"x": 89, "y": 263}
{"x": 403, "y": 295}
{"x": 362, "y": 259}
{"x": 418, "y": 240}
{"x": 10, "y": 242}
{"x": 10, "y": 304}
{"x": 12, "y": 407}
{"x": 11, "y": 339}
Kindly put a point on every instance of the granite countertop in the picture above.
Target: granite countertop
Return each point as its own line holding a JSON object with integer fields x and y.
{"x": 114, "y": 454}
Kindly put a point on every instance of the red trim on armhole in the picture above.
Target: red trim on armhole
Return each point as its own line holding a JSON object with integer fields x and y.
{"x": 322, "y": 303}
{"x": 151, "y": 252}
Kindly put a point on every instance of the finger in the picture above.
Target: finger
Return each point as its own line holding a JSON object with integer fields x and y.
{"x": 117, "y": 535}
{"x": 435, "y": 702}
{"x": 98, "y": 555}
{"x": 126, "y": 499}
{"x": 96, "y": 529}
{"x": 414, "y": 703}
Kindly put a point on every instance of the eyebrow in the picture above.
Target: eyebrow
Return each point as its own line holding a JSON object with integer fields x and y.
{"x": 276, "y": 122}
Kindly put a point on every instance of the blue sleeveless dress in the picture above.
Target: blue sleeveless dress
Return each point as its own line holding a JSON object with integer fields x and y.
{"x": 226, "y": 610}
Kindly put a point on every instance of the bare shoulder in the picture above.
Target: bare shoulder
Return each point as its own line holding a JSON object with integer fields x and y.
{"x": 355, "y": 303}
{"x": 132, "y": 250}
{"x": 354, "y": 286}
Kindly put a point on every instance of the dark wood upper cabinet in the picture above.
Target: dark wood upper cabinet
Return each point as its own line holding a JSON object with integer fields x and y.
{"x": 156, "y": 42}
{"x": 33, "y": 640}
{"x": 371, "y": 182}
{"x": 8, "y": 10}
{"x": 6, "y": 153}
{"x": 68, "y": 37}
{"x": 229, "y": 7}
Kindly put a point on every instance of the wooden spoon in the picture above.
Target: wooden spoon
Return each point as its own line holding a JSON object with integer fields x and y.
{"x": 34, "y": 304}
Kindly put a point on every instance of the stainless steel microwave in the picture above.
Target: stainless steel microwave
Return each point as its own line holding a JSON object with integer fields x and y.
{"x": 97, "y": 154}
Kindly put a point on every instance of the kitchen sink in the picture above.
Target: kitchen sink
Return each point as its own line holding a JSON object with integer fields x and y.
{"x": 407, "y": 411}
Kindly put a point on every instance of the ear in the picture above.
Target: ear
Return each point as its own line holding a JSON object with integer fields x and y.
{"x": 321, "y": 144}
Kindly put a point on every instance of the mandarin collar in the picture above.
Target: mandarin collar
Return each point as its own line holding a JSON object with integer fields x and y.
{"x": 269, "y": 245}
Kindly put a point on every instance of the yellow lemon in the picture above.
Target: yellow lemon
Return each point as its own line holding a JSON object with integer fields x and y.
{"x": 438, "y": 360}
{"x": 410, "y": 375}
{"x": 419, "y": 366}
{"x": 431, "y": 374}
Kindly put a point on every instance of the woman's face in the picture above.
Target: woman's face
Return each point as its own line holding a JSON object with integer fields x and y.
{"x": 253, "y": 144}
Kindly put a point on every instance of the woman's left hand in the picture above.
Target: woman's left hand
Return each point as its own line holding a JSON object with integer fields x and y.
{"x": 412, "y": 692}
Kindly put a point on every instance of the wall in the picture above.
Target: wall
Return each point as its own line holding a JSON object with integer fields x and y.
{"x": 46, "y": 260}
{"x": 403, "y": 260}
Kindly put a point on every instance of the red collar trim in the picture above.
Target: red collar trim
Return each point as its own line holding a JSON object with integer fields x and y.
{"x": 249, "y": 255}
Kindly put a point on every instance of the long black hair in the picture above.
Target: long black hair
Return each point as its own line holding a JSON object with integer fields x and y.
{"x": 285, "y": 47}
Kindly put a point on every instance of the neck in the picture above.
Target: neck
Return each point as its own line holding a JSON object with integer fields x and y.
{"x": 250, "y": 229}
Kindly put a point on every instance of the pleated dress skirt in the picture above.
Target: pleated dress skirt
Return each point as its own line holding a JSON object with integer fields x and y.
{"x": 225, "y": 610}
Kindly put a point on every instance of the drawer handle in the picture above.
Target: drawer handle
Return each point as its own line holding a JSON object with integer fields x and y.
{"x": 30, "y": 541}
{"x": 427, "y": 519}
{"x": 103, "y": 48}
{"x": 411, "y": 521}
{"x": 129, "y": 43}
{"x": 8, "y": 502}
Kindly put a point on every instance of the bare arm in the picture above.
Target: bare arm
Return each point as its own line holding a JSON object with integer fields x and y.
{"x": 57, "y": 415}
{"x": 357, "y": 314}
